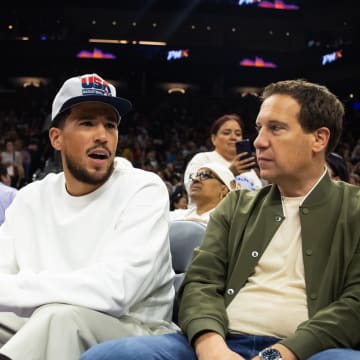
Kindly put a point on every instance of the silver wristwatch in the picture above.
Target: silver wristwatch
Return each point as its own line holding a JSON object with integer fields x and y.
{"x": 270, "y": 354}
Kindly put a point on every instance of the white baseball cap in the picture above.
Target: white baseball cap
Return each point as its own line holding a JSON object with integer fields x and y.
{"x": 223, "y": 172}
{"x": 88, "y": 87}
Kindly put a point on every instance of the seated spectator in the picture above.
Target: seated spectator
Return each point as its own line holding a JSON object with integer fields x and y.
{"x": 85, "y": 253}
{"x": 337, "y": 167}
{"x": 209, "y": 185}
{"x": 7, "y": 193}
{"x": 178, "y": 199}
{"x": 225, "y": 132}
{"x": 276, "y": 276}
{"x": 13, "y": 160}
{"x": 354, "y": 179}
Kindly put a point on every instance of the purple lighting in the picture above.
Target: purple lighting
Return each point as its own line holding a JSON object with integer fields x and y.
{"x": 95, "y": 54}
{"x": 276, "y": 4}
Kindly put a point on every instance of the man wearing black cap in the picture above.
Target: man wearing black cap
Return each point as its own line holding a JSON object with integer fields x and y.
{"x": 84, "y": 253}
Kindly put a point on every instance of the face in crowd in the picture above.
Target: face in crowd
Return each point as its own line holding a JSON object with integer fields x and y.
{"x": 225, "y": 132}
{"x": 207, "y": 187}
{"x": 298, "y": 124}
{"x": 87, "y": 139}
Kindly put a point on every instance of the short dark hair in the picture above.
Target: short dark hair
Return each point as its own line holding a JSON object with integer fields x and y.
{"x": 216, "y": 125}
{"x": 318, "y": 106}
{"x": 59, "y": 121}
{"x": 178, "y": 193}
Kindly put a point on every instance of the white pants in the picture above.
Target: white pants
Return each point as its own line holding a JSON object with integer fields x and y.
{"x": 64, "y": 332}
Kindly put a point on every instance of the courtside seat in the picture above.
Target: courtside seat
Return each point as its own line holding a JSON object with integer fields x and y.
{"x": 185, "y": 236}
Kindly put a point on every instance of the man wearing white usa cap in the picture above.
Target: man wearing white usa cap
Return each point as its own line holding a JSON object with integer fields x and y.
{"x": 84, "y": 253}
{"x": 90, "y": 87}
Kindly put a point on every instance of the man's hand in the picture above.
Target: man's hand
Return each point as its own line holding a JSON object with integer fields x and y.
{"x": 211, "y": 346}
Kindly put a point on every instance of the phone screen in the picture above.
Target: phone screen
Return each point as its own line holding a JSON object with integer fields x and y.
{"x": 244, "y": 146}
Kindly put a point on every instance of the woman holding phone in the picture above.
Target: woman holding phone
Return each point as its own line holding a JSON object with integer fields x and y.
{"x": 225, "y": 132}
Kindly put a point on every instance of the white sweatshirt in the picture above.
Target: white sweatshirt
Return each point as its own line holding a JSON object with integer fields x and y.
{"x": 107, "y": 250}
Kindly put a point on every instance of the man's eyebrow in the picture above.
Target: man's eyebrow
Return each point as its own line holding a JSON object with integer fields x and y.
{"x": 275, "y": 122}
{"x": 278, "y": 122}
{"x": 270, "y": 123}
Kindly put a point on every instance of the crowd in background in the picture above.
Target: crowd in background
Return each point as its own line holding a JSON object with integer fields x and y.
{"x": 161, "y": 134}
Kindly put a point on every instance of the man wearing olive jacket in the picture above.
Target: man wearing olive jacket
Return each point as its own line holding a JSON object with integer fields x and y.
{"x": 277, "y": 276}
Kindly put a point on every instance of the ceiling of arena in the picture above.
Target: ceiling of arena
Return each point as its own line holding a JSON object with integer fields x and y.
{"x": 215, "y": 36}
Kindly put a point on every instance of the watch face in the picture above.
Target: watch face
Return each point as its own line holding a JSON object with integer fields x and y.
{"x": 270, "y": 354}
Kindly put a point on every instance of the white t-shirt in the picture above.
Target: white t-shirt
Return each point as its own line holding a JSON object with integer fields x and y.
{"x": 275, "y": 292}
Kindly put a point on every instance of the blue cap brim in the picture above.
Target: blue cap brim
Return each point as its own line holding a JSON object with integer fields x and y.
{"x": 121, "y": 105}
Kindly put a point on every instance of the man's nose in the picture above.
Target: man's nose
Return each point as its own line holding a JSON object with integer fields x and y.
{"x": 100, "y": 133}
{"x": 260, "y": 140}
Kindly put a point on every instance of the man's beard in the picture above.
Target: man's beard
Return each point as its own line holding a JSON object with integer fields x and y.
{"x": 84, "y": 176}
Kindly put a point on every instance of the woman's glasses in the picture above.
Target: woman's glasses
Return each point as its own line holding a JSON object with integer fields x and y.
{"x": 203, "y": 176}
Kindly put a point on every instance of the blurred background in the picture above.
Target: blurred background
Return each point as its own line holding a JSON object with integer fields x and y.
{"x": 181, "y": 63}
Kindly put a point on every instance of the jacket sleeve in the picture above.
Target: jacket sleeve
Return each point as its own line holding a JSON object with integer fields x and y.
{"x": 334, "y": 283}
{"x": 334, "y": 326}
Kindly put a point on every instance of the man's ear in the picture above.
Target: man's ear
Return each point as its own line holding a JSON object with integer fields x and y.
{"x": 224, "y": 191}
{"x": 55, "y": 136}
{"x": 322, "y": 136}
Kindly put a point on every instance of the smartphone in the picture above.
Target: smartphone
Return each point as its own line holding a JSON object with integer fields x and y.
{"x": 244, "y": 146}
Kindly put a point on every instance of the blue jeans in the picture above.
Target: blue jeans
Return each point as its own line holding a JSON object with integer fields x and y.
{"x": 169, "y": 347}
{"x": 337, "y": 354}
{"x": 176, "y": 347}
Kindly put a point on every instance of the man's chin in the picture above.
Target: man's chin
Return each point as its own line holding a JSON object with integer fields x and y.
{"x": 266, "y": 175}
{"x": 98, "y": 177}
{"x": 92, "y": 177}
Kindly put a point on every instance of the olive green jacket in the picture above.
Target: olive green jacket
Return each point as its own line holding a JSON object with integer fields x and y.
{"x": 236, "y": 237}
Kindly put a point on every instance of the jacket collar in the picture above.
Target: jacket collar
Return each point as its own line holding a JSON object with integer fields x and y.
{"x": 316, "y": 196}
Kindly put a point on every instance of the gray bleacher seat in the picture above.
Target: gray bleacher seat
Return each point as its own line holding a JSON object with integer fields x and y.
{"x": 185, "y": 236}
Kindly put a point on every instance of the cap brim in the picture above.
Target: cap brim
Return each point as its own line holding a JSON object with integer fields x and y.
{"x": 121, "y": 105}
{"x": 220, "y": 171}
